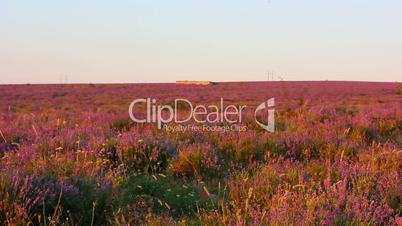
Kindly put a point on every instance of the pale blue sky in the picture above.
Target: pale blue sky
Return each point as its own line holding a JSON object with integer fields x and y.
{"x": 168, "y": 40}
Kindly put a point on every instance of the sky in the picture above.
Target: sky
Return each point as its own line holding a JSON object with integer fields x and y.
{"x": 136, "y": 41}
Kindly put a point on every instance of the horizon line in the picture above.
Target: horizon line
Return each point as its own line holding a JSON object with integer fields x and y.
{"x": 175, "y": 82}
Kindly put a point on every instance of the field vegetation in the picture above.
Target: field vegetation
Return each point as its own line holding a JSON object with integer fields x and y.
{"x": 70, "y": 155}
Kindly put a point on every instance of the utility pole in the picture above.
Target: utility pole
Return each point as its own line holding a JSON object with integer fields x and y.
{"x": 63, "y": 78}
{"x": 270, "y": 76}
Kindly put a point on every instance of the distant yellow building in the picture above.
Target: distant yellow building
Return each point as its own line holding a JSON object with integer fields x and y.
{"x": 186, "y": 82}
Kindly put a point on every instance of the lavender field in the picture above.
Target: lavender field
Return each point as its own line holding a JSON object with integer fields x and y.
{"x": 71, "y": 155}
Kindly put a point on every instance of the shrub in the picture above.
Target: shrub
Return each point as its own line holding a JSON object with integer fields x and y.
{"x": 161, "y": 194}
{"x": 196, "y": 160}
